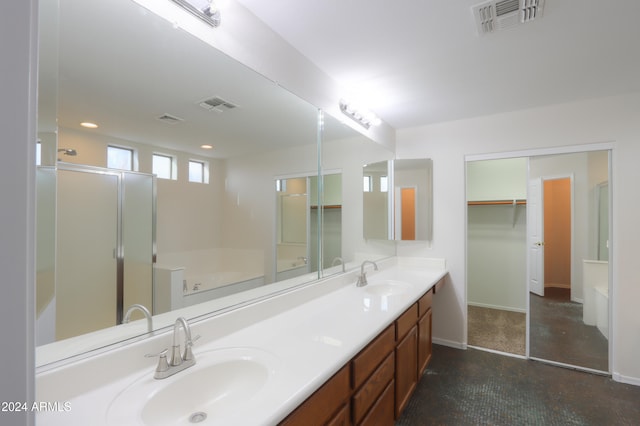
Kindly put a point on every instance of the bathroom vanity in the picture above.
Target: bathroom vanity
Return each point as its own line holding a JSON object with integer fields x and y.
{"x": 327, "y": 352}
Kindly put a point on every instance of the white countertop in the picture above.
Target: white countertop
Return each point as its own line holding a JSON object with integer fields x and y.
{"x": 309, "y": 341}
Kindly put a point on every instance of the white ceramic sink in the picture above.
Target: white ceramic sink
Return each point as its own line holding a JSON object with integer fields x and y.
{"x": 386, "y": 287}
{"x": 220, "y": 384}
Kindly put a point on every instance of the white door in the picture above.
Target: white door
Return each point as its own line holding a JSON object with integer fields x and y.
{"x": 535, "y": 237}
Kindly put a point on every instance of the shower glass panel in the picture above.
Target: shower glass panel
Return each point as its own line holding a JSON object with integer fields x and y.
{"x": 137, "y": 238}
{"x": 293, "y": 228}
{"x": 86, "y": 246}
{"x": 96, "y": 248}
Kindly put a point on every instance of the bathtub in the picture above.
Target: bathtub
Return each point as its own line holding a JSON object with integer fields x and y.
{"x": 191, "y": 277}
{"x": 602, "y": 310}
{"x": 200, "y": 288}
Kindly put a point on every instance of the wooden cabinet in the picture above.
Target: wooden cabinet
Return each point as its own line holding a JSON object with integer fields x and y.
{"x": 382, "y": 411}
{"x": 327, "y": 405}
{"x": 424, "y": 331}
{"x": 376, "y": 385}
{"x": 406, "y": 375}
{"x": 373, "y": 370}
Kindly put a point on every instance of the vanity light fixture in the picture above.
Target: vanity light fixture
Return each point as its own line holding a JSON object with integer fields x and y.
{"x": 89, "y": 125}
{"x": 206, "y": 10}
{"x": 360, "y": 115}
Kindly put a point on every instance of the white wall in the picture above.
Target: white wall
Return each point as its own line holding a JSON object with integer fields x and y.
{"x": 497, "y": 235}
{"x": 18, "y": 41}
{"x": 612, "y": 119}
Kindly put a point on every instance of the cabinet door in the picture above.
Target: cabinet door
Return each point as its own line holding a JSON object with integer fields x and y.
{"x": 406, "y": 369}
{"x": 424, "y": 341}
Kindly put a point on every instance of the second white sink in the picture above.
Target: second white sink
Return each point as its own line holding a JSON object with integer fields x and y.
{"x": 387, "y": 287}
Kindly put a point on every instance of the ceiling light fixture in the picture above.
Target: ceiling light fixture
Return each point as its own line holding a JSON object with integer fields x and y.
{"x": 206, "y": 10}
{"x": 89, "y": 125}
{"x": 206, "y": 146}
{"x": 360, "y": 115}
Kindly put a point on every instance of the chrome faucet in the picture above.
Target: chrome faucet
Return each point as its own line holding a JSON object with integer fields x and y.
{"x": 338, "y": 260}
{"x": 144, "y": 310}
{"x": 362, "y": 278}
{"x": 179, "y": 361}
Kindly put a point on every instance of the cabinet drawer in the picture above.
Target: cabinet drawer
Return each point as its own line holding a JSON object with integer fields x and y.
{"x": 365, "y": 397}
{"x": 407, "y": 320}
{"x": 324, "y": 403}
{"x": 342, "y": 418}
{"x": 370, "y": 357}
{"x": 382, "y": 412}
{"x": 424, "y": 304}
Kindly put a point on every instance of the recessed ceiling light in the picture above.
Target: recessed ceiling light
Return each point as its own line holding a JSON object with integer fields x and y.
{"x": 89, "y": 125}
{"x": 206, "y": 146}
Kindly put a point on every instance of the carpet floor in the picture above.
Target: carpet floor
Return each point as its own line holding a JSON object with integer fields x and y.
{"x": 558, "y": 333}
{"x": 473, "y": 387}
{"x": 495, "y": 329}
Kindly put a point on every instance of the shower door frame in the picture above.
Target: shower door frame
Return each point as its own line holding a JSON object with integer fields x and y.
{"x": 120, "y": 249}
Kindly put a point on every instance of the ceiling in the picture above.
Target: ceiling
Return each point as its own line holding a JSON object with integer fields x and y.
{"x": 130, "y": 67}
{"x": 416, "y": 62}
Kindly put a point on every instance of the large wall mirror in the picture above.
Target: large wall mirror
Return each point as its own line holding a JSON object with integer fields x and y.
{"x": 397, "y": 197}
{"x": 202, "y": 221}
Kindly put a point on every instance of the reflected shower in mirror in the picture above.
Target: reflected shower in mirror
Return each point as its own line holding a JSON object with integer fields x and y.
{"x": 397, "y": 196}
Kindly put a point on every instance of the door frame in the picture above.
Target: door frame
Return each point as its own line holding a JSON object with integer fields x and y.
{"x": 601, "y": 146}
{"x": 571, "y": 178}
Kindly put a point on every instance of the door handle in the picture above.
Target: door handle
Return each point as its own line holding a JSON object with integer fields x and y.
{"x": 539, "y": 244}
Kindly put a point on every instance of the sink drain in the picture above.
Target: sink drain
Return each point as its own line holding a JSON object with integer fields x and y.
{"x": 197, "y": 417}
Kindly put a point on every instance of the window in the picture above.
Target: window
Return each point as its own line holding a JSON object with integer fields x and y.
{"x": 384, "y": 184}
{"x": 38, "y": 154}
{"x": 281, "y": 185}
{"x": 198, "y": 171}
{"x": 366, "y": 183}
{"x": 119, "y": 158}
{"x": 164, "y": 166}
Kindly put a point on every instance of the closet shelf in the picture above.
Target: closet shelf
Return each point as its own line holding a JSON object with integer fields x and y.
{"x": 331, "y": 206}
{"x": 513, "y": 203}
{"x": 498, "y": 203}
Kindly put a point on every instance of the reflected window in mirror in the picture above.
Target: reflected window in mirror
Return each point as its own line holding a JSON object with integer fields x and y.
{"x": 366, "y": 183}
{"x": 198, "y": 171}
{"x": 384, "y": 184}
{"x": 120, "y": 158}
{"x": 164, "y": 166}
{"x": 38, "y": 153}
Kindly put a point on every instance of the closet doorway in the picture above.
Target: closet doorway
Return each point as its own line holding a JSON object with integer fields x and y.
{"x": 557, "y": 279}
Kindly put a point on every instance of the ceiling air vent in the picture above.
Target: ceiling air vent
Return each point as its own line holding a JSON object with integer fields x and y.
{"x": 216, "y": 104}
{"x": 499, "y": 15}
{"x": 168, "y": 118}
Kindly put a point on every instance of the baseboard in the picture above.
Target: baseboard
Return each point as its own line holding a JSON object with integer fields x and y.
{"x": 501, "y": 308}
{"x": 552, "y": 285}
{"x": 626, "y": 379}
{"x": 449, "y": 343}
{"x": 575, "y": 299}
